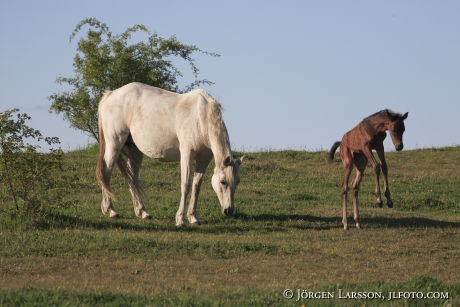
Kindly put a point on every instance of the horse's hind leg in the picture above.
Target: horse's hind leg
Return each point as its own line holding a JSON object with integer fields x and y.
{"x": 347, "y": 161}
{"x": 107, "y": 207}
{"x": 111, "y": 144}
{"x": 133, "y": 164}
{"x": 110, "y": 157}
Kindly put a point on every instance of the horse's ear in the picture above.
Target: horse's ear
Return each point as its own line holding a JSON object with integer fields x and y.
{"x": 240, "y": 160}
{"x": 405, "y": 115}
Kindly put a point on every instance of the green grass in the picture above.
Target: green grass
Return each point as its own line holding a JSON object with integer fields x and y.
{"x": 286, "y": 234}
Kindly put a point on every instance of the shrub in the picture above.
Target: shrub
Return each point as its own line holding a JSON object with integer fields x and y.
{"x": 31, "y": 180}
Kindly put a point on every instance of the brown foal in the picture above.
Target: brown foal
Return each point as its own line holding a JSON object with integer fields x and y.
{"x": 356, "y": 149}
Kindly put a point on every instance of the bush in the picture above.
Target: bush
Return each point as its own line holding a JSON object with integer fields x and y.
{"x": 31, "y": 181}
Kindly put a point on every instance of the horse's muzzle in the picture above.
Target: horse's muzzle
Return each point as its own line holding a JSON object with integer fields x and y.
{"x": 228, "y": 211}
{"x": 399, "y": 147}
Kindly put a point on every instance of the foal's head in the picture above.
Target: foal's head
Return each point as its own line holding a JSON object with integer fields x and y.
{"x": 397, "y": 128}
{"x": 225, "y": 179}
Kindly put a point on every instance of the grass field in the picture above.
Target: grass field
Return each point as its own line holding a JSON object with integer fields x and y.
{"x": 286, "y": 234}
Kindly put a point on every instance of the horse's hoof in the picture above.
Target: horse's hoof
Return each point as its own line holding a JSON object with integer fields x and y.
{"x": 193, "y": 220}
{"x": 180, "y": 222}
{"x": 113, "y": 214}
{"x": 390, "y": 204}
{"x": 379, "y": 204}
{"x": 358, "y": 226}
{"x": 146, "y": 216}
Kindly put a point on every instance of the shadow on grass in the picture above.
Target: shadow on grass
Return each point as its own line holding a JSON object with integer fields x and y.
{"x": 242, "y": 222}
{"x": 298, "y": 221}
{"x": 239, "y": 222}
{"x": 320, "y": 222}
{"x": 57, "y": 220}
{"x": 407, "y": 222}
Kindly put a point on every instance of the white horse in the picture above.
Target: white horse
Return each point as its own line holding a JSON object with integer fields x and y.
{"x": 139, "y": 119}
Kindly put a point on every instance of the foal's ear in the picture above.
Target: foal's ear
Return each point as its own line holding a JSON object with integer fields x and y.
{"x": 405, "y": 115}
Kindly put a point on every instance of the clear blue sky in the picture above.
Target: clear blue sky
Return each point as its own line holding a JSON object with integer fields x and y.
{"x": 292, "y": 74}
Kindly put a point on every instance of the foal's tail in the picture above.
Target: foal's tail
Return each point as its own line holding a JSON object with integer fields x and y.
{"x": 333, "y": 149}
{"x": 101, "y": 164}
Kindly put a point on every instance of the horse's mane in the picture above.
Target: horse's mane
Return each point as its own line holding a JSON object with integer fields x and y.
{"x": 216, "y": 124}
{"x": 106, "y": 94}
{"x": 386, "y": 112}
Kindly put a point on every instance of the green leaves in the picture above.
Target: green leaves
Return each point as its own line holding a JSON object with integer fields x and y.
{"x": 107, "y": 61}
{"x": 33, "y": 180}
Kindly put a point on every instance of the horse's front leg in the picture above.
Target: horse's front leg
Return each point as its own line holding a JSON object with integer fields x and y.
{"x": 376, "y": 166}
{"x": 360, "y": 163}
{"x": 185, "y": 166}
{"x": 381, "y": 155}
{"x": 196, "y": 186}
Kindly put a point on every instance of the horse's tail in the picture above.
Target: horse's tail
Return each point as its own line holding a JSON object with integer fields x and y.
{"x": 101, "y": 164}
{"x": 333, "y": 149}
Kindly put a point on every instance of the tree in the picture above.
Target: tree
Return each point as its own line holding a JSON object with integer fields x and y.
{"x": 106, "y": 61}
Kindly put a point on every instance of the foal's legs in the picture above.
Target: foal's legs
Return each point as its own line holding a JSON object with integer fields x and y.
{"x": 360, "y": 162}
{"x": 131, "y": 169}
{"x": 376, "y": 166}
{"x": 200, "y": 168}
{"x": 381, "y": 154}
{"x": 347, "y": 161}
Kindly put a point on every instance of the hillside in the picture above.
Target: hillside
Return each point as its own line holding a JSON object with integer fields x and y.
{"x": 286, "y": 234}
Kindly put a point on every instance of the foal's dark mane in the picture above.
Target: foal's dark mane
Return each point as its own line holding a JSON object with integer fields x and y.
{"x": 388, "y": 112}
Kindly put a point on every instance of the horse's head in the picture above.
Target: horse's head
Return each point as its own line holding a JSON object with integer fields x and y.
{"x": 397, "y": 129}
{"x": 224, "y": 182}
